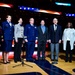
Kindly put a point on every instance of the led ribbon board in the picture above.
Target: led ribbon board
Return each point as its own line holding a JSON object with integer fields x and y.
{"x": 63, "y": 4}
{"x": 70, "y": 14}
{"x": 39, "y": 10}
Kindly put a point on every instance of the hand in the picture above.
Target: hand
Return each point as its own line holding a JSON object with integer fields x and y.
{"x": 2, "y": 40}
{"x": 26, "y": 40}
{"x": 59, "y": 41}
{"x": 23, "y": 41}
{"x": 36, "y": 41}
{"x": 16, "y": 41}
{"x": 49, "y": 41}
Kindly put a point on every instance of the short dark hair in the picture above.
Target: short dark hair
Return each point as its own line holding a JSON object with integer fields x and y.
{"x": 42, "y": 20}
{"x": 19, "y": 18}
{"x": 7, "y": 16}
{"x": 71, "y": 26}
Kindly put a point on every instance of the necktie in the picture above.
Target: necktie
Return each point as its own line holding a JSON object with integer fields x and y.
{"x": 55, "y": 27}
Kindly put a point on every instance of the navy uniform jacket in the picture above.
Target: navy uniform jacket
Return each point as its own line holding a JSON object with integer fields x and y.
{"x": 8, "y": 31}
{"x": 30, "y": 33}
{"x": 55, "y": 36}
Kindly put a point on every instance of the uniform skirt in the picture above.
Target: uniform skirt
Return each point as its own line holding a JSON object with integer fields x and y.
{"x": 7, "y": 45}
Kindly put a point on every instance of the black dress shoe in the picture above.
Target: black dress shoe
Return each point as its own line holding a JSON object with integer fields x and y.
{"x": 70, "y": 61}
{"x": 15, "y": 61}
{"x": 54, "y": 62}
{"x": 8, "y": 62}
{"x": 5, "y": 62}
{"x": 19, "y": 60}
{"x": 52, "y": 59}
{"x": 74, "y": 70}
{"x": 66, "y": 60}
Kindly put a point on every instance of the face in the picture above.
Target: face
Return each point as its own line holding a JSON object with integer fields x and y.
{"x": 55, "y": 21}
{"x": 20, "y": 21}
{"x": 69, "y": 25}
{"x": 31, "y": 20}
{"x": 9, "y": 18}
{"x": 42, "y": 22}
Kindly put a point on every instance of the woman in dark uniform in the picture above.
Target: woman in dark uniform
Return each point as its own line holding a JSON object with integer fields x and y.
{"x": 8, "y": 31}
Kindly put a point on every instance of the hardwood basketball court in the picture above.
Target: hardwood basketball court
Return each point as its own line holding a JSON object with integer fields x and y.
{"x": 62, "y": 65}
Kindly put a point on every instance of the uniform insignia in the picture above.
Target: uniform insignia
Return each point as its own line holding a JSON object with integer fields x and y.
{"x": 35, "y": 27}
{"x": 29, "y": 27}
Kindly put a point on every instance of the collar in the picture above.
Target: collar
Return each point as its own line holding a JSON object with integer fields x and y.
{"x": 31, "y": 24}
{"x": 42, "y": 26}
{"x": 55, "y": 24}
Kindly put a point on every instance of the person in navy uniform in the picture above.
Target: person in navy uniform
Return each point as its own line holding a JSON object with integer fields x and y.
{"x": 19, "y": 36}
{"x": 30, "y": 35}
{"x": 1, "y": 37}
{"x": 55, "y": 36}
{"x": 8, "y": 32}
{"x": 1, "y": 41}
{"x": 42, "y": 39}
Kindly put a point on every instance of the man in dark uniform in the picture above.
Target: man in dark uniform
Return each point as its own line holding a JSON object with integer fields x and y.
{"x": 42, "y": 39}
{"x": 8, "y": 32}
{"x": 30, "y": 35}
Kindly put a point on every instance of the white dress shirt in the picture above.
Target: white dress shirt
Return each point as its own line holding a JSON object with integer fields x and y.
{"x": 55, "y": 27}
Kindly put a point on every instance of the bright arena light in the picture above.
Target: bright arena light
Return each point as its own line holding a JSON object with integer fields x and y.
{"x": 6, "y": 5}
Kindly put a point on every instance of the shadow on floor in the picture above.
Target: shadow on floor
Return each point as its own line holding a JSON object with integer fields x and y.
{"x": 50, "y": 69}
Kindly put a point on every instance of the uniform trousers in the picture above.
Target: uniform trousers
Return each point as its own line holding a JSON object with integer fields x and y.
{"x": 30, "y": 46}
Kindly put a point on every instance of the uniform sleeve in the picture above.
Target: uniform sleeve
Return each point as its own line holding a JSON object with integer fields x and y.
{"x": 1, "y": 33}
{"x": 36, "y": 33}
{"x": 25, "y": 32}
{"x": 15, "y": 32}
{"x": 3, "y": 26}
